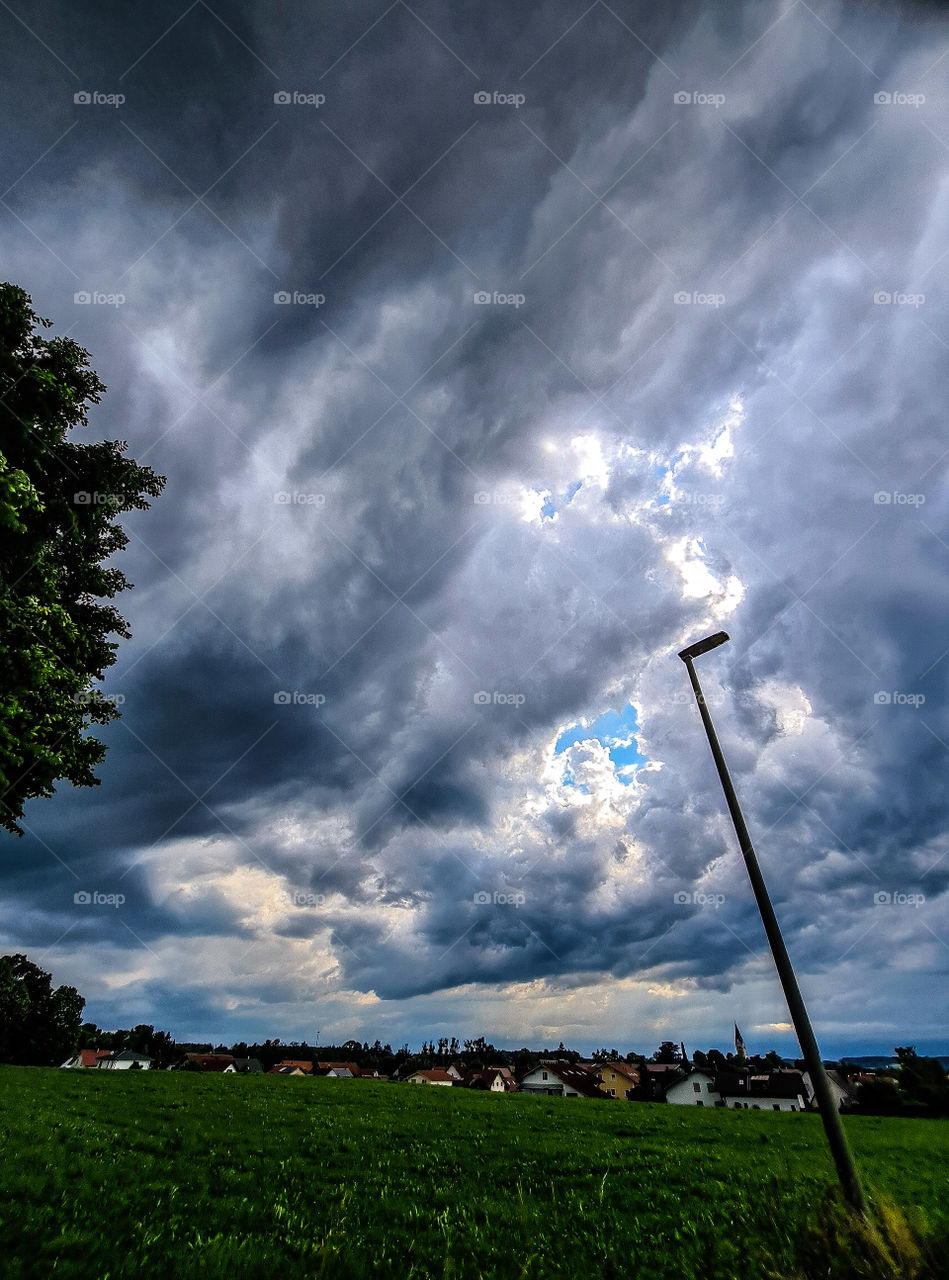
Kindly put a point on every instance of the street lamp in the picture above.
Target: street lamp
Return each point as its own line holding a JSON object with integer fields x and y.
{"x": 826, "y": 1102}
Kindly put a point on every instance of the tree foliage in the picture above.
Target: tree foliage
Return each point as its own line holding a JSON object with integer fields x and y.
{"x": 39, "y": 1026}
{"x": 923, "y": 1081}
{"x": 59, "y": 503}
{"x": 667, "y": 1052}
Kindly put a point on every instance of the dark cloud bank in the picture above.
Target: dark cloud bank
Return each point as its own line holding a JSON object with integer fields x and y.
{"x": 690, "y": 260}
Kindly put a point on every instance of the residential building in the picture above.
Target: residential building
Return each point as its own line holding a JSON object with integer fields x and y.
{"x": 697, "y": 1089}
{"x": 204, "y": 1062}
{"x": 839, "y": 1087}
{"x": 618, "y": 1079}
{"x": 433, "y": 1076}
{"x": 88, "y": 1059}
{"x": 127, "y": 1060}
{"x": 558, "y": 1078}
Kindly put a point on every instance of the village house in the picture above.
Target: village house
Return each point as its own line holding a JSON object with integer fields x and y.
{"x": 292, "y": 1067}
{"x": 697, "y": 1089}
{"x": 841, "y": 1090}
{"x": 501, "y": 1080}
{"x": 781, "y": 1090}
{"x": 618, "y": 1079}
{"x": 126, "y": 1060}
{"x": 493, "y": 1079}
{"x": 244, "y": 1067}
{"x": 657, "y": 1077}
{"x": 88, "y": 1059}
{"x": 204, "y": 1062}
{"x": 561, "y": 1079}
{"x": 434, "y": 1075}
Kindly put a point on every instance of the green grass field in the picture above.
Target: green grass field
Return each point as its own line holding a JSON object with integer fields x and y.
{"x": 178, "y": 1175}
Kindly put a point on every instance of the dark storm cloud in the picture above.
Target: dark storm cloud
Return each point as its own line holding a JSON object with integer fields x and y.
{"x": 353, "y": 513}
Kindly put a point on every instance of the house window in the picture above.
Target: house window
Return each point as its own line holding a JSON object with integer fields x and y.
{"x": 700, "y": 1103}
{"x": 697, "y": 1088}
{"x": 793, "y": 1107}
{"x": 776, "y": 1106}
{"x": 543, "y": 1075}
{"x": 612, "y": 1093}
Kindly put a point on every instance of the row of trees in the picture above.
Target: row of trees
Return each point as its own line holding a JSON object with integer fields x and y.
{"x": 42, "y": 1026}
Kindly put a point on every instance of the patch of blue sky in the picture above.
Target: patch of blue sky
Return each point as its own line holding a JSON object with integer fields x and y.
{"x": 617, "y": 732}
{"x": 552, "y": 504}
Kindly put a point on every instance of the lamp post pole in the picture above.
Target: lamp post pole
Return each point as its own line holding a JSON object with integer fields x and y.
{"x": 826, "y": 1102}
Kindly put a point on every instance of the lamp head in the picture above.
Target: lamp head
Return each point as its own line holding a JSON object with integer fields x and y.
{"x": 703, "y": 646}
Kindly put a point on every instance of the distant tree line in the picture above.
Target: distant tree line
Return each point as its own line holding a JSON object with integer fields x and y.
{"x": 42, "y": 1026}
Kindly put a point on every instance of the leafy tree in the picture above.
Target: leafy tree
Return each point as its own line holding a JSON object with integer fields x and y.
{"x": 39, "y": 1026}
{"x": 59, "y": 501}
{"x": 140, "y": 1039}
{"x": 668, "y": 1051}
{"x": 879, "y": 1096}
{"x": 923, "y": 1081}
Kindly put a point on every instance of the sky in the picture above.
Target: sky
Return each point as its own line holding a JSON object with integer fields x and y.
{"x": 493, "y": 353}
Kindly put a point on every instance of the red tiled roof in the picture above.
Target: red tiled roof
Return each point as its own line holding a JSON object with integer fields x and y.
{"x": 435, "y": 1073}
{"x": 210, "y": 1061}
{"x": 621, "y": 1069}
{"x": 89, "y": 1057}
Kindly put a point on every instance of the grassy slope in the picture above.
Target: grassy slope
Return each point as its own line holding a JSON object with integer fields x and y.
{"x": 231, "y": 1176}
